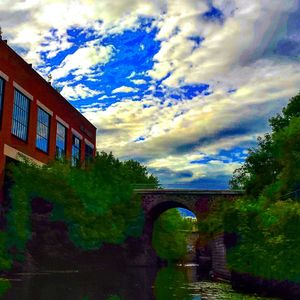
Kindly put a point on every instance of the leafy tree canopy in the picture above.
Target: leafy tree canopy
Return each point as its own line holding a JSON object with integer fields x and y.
{"x": 96, "y": 203}
{"x": 266, "y": 221}
{"x": 275, "y": 157}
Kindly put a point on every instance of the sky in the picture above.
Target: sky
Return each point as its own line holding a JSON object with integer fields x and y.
{"x": 184, "y": 87}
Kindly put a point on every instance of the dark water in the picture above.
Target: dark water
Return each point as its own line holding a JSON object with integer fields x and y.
{"x": 118, "y": 284}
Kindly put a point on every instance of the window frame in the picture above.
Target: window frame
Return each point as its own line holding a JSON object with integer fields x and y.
{"x": 2, "y": 100}
{"x": 73, "y": 163}
{"x": 48, "y": 132}
{"x": 15, "y": 120}
{"x": 65, "y": 141}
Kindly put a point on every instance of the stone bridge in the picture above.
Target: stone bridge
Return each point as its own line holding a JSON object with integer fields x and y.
{"x": 156, "y": 201}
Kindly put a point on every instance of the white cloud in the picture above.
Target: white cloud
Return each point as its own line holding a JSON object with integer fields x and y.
{"x": 238, "y": 42}
{"x": 82, "y": 60}
{"x": 103, "y": 97}
{"x": 131, "y": 75}
{"x": 139, "y": 81}
{"x": 125, "y": 89}
{"x": 90, "y": 106}
{"x": 190, "y": 129}
{"x": 78, "y": 92}
{"x": 21, "y": 20}
{"x": 232, "y": 55}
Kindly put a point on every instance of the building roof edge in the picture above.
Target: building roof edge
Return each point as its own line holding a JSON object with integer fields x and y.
{"x": 31, "y": 69}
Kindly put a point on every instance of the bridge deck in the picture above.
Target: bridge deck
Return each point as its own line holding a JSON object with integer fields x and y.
{"x": 187, "y": 191}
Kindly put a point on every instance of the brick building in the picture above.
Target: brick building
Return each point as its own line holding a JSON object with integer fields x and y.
{"x": 35, "y": 120}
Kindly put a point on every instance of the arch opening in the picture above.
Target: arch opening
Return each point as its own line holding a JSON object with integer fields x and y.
{"x": 174, "y": 233}
{"x": 177, "y": 245}
{"x": 211, "y": 250}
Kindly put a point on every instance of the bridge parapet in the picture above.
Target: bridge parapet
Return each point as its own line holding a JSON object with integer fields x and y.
{"x": 189, "y": 191}
{"x": 197, "y": 201}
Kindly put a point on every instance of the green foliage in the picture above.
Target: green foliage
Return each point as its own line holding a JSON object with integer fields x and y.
{"x": 287, "y": 153}
{"x": 268, "y": 236}
{"x": 188, "y": 223}
{"x": 213, "y": 224}
{"x": 292, "y": 110}
{"x": 114, "y": 297}
{"x": 5, "y": 259}
{"x": 266, "y": 220}
{"x": 259, "y": 169}
{"x": 134, "y": 172}
{"x": 170, "y": 235}
{"x": 96, "y": 203}
{"x": 272, "y": 168}
{"x": 268, "y": 239}
{"x": 4, "y": 286}
{"x": 274, "y": 154}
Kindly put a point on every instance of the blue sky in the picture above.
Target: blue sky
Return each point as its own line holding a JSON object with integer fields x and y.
{"x": 185, "y": 87}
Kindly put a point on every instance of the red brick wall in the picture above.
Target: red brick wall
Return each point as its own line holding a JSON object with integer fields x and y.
{"x": 21, "y": 73}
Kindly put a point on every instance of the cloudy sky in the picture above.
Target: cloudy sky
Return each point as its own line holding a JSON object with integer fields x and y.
{"x": 185, "y": 87}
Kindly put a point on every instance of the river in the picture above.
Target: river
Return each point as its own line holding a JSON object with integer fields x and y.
{"x": 168, "y": 283}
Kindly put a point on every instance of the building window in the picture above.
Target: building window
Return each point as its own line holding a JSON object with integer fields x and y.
{"x": 20, "y": 116}
{"x": 61, "y": 134}
{"x": 1, "y": 96}
{"x": 88, "y": 153}
{"x": 75, "y": 151}
{"x": 42, "y": 132}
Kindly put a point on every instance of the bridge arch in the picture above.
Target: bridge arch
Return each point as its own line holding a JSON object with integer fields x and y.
{"x": 162, "y": 207}
{"x": 155, "y": 202}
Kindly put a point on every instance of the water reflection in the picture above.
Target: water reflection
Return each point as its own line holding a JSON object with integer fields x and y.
{"x": 170, "y": 284}
{"x": 5, "y": 285}
{"x": 117, "y": 284}
{"x": 125, "y": 283}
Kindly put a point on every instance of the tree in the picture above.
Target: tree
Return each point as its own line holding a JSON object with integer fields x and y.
{"x": 259, "y": 169}
{"x": 292, "y": 110}
{"x": 97, "y": 203}
{"x": 263, "y": 167}
{"x": 266, "y": 221}
{"x": 170, "y": 235}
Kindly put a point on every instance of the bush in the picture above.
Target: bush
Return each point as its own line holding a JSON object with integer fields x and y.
{"x": 96, "y": 203}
